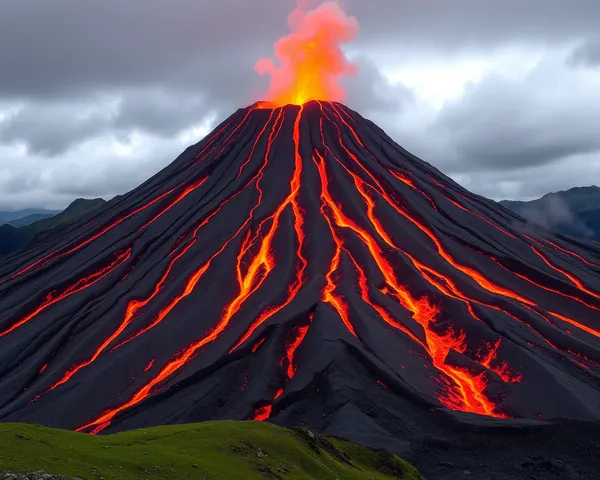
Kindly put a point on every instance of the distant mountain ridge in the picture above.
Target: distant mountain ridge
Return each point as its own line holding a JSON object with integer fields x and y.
{"x": 572, "y": 212}
{"x": 20, "y": 232}
{"x": 10, "y": 217}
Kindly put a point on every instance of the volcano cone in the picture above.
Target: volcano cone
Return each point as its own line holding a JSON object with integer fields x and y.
{"x": 298, "y": 265}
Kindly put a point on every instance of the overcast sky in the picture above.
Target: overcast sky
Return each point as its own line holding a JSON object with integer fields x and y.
{"x": 95, "y": 97}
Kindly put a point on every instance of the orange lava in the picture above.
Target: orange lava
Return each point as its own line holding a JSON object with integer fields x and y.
{"x": 53, "y": 298}
{"x": 311, "y": 59}
{"x": 572, "y": 278}
{"x": 467, "y": 394}
{"x": 264, "y": 413}
{"x": 260, "y": 267}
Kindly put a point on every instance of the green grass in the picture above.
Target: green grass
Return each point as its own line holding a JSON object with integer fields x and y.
{"x": 211, "y": 450}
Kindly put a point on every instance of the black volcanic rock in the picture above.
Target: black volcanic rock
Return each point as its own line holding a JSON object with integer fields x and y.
{"x": 300, "y": 266}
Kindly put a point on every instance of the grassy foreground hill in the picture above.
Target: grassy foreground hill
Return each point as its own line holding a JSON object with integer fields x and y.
{"x": 211, "y": 450}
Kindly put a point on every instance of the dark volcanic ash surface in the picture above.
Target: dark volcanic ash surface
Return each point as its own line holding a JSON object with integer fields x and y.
{"x": 297, "y": 265}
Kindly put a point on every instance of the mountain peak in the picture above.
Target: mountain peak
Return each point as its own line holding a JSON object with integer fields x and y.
{"x": 297, "y": 265}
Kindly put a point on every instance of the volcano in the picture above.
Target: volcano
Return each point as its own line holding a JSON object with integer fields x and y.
{"x": 298, "y": 266}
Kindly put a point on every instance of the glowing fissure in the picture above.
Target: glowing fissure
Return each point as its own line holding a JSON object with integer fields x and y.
{"x": 470, "y": 272}
{"x": 572, "y": 278}
{"x": 250, "y": 283}
{"x": 263, "y": 257}
{"x": 183, "y": 194}
{"x": 52, "y": 298}
{"x": 548, "y": 289}
{"x": 572, "y": 254}
{"x": 358, "y": 241}
{"x": 136, "y": 305}
{"x": 227, "y": 140}
{"x": 56, "y": 254}
{"x": 264, "y": 413}
{"x": 468, "y": 394}
{"x": 424, "y": 270}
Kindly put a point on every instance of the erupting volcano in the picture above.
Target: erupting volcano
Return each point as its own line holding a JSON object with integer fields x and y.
{"x": 299, "y": 266}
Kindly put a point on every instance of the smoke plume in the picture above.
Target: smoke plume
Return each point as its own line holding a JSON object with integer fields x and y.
{"x": 311, "y": 59}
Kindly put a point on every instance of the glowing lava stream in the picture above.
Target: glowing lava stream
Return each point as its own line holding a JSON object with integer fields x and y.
{"x": 451, "y": 291}
{"x": 262, "y": 262}
{"x": 572, "y": 254}
{"x": 262, "y": 259}
{"x": 81, "y": 284}
{"x": 473, "y": 274}
{"x": 135, "y": 306}
{"x": 572, "y": 278}
{"x": 470, "y": 396}
{"x": 56, "y": 254}
{"x": 264, "y": 413}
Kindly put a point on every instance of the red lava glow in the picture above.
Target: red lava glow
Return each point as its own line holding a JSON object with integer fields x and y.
{"x": 503, "y": 370}
{"x": 53, "y": 298}
{"x": 260, "y": 267}
{"x": 264, "y": 413}
{"x": 358, "y": 243}
{"x": 572, "y": 278}
{"x": 468, "y": 392}
{"x": 572, "y": 254}
{"x": 258, "y": 344}
{"x": 311, "y": 59}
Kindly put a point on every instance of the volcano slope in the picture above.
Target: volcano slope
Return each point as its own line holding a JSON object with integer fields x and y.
{"x": 297, "y": 265}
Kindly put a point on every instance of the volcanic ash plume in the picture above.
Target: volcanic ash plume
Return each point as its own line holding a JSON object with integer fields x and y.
{"x": 311, "y": 58}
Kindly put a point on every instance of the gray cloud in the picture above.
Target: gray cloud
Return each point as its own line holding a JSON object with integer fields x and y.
{"x": 587, "y": 54}
{"x": 500, "y": 124}
{"x": 79, "y": 77}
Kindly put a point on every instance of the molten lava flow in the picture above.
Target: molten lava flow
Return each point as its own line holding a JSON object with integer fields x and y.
{"x": 53, "y": 298}
{"x": 312, "y": 61}
{"x": 64, "y": 251}
{"x": 181, "y": 196}
{"x": 468, "y": 394}
{"x": 363, "y": 234}
{"x": 548, "y": 289}
{"x": 264, "y": 413}
{"x": 136, "y": 305}
{"x": 263, "y": 259}
{"x": 476, "y": 276}
{"x": 572, "y": 278}
{"x": 130, "y": 313}
{"x": 56, "y": 254}
{"x": 261, "y": 266}
{"x": 572, "y": 254}
{"x": 503, "y": 370}
{"x": 329, "y": 295}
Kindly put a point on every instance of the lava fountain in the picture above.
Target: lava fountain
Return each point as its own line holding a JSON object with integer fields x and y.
{"x": 312, "y": 62}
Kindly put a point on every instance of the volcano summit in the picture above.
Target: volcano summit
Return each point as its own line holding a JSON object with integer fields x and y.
{"x": 299, "y": 266}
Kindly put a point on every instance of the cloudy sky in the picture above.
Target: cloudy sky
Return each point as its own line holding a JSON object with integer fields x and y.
{"x": 95, "y": 97}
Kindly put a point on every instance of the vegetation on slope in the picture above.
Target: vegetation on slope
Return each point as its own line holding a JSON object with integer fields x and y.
{"x": 210, "y": 450}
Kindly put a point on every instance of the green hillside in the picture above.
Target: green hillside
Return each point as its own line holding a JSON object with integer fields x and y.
{"x": 211, "y": 450}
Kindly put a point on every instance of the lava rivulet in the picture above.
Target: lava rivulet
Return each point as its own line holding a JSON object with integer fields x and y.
{"x": 53, "y": 297}
{"x": 304, "y": 237}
